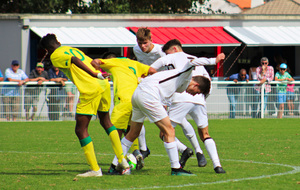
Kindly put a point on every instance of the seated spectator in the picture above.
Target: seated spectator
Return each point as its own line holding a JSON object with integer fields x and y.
{"x": 56, "y": 96}
{"x": 32, "y": 92}
{"x": 234, "y": 90}
{"x": 11, "y": 93}
{"x": 282, "y": 75}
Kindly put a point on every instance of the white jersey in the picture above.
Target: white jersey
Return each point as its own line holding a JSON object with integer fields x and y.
{"x": 166, "y": 83}
{"x": 148, "y": 58}
{"x": 175, "y": 61}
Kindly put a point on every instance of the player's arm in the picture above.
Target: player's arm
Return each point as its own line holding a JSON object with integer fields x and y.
{"x": 96, "y": 64}
{"x": 208, "y": 61}
{"x": 82, "y": 66}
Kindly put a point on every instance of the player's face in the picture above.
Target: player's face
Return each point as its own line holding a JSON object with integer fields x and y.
{"x": 145, "y": 45}
{"x": 193, "y": 89}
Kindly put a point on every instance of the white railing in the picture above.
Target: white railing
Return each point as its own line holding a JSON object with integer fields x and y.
{"x": 53, "y": 103}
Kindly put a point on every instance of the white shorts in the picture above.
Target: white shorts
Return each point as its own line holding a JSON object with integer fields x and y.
{"x": 147, "y": 104}
{"x": 198, "y": 112}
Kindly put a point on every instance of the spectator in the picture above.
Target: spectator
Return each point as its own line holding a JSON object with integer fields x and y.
{"x": 1, "y": 76}
{"x": 57, "y": 92}
{"x": 290, "y": 98}
{"x": 32, "y": 92}
{"x": 70, "y": 90}
{"x": 250, "y": 91}
{"x": 11, "y": 93}
{"x": 265, "y": 73}
{"x": 233, "y": 90}
{"x": 282, "y": 75}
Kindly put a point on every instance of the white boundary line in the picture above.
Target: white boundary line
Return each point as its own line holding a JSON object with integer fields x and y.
{"x": 296, "y": 169}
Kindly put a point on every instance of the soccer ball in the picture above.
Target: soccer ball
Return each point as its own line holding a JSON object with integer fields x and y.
{"x": 131, "y": 160}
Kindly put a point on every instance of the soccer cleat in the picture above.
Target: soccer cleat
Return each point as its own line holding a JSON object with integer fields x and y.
{"x": 112, "y": 171}
{"x": 201, "y": 159}
{"x": 219, "y": 170}
{"x": 145, "y": 153}
{"x": 123, "y": 165}
{"x": 91, "y": 173}
{"x": 181, "y": 172}
{"x": 187, "y": 153}
{"x": 139, "y": 159}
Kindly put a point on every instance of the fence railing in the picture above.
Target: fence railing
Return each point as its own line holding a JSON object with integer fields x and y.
{"x": 238, "y": 100}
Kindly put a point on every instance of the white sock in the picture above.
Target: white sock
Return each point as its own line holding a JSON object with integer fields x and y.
{"x": 142, "y": 139}
{"x": 190, "y": 134}
{"x": 211, "y": 148}
{"x": 126, "y": 144}
{"x": 180, "y": 146}
{"x": 172, "y": 151}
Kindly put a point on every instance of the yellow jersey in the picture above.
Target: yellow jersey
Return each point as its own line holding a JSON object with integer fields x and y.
{"x": 85, "y": 83}
{"x": 125, "y": 76}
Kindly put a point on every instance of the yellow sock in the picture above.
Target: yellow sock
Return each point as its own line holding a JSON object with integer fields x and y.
{"x": 135, "y": 145}
{"x": 116, "y": 143}
{"x": 89, "y": 152}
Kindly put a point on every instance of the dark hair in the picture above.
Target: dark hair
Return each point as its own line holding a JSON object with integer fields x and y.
{"x": 204, "y": 84}
{"x": 170, "y": 43}
{"x": 48, "y": 41}
{"x": 109, "y": 54}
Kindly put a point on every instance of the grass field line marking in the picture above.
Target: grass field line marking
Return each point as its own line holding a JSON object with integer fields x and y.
{"x": 296, "y": 169}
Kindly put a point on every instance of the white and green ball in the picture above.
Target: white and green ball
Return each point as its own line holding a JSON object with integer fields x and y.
{"x": 131, "y": 160}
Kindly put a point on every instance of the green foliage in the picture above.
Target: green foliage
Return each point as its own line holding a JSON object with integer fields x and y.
{"x": 96, "y": 6}
{"x": 256, "y": 154}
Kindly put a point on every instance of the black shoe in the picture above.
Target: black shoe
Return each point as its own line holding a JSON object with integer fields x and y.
{"x": 145, "y": 153}
{"x": 201, "y": 159}
{"x": 113, "y": 171}
{"x": 181, "y": 172}
{"x": 139, "y": 159}
{"x": 187, "y": 153}
{"x": 219, "y": 170}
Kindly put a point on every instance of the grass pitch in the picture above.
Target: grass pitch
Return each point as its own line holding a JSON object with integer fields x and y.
{"x": 256, "y": 154}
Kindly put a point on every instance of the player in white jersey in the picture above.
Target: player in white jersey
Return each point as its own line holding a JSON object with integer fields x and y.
{"x": 146, "y": 52}
{"x": 154, "y": 92}
{"x": 184, "y": 103}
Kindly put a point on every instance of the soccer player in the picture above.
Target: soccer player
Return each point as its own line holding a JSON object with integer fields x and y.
{"x": 184, "y": 103}
{"x": 94, "y": 99}
{"x": 146, "y": 52}
{"x": 125, "y": 76}
{"x": 154, "y": 92}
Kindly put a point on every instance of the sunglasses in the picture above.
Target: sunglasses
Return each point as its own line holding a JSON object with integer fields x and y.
{"x": 282, "y": 69}
{"x": 264, "y": 63}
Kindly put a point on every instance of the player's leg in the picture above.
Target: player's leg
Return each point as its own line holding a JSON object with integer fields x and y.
{"x": 142, "y": 143}
{"x": 168, "y": 133}
{"x": 211, "y": 148}
{"x": 177, "y": 113}
{"x": 81, "y": 130}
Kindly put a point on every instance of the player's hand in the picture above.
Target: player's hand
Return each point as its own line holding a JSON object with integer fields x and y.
{"x": 106, "y": 75}
{"x": 96, "y": 64}
{"x": 220, "y": 57}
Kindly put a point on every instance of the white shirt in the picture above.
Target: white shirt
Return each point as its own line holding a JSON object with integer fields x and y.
{"x": 166, "y": 83}
{"x": 148, "y": 58}
{"x": 176, "y": 61}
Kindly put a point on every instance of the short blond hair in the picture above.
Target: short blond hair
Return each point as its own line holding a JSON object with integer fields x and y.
{"x": 143, "y": 33}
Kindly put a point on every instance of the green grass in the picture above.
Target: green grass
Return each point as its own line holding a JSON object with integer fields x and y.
{"x": 256, "y": 154}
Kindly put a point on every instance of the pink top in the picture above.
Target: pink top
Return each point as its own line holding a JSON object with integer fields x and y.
{"x": 269, "y": 75}
{"x": 290, "y": 87}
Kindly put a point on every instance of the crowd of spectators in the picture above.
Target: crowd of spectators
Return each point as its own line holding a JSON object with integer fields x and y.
{"x": 283, "y": 92}
{"x": 55, "y": 95}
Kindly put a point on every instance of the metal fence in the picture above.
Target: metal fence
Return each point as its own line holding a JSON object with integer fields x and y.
{"x": 228, "y": 100}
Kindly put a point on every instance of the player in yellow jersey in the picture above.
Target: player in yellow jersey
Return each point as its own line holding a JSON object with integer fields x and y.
{"x": 94, "y": 99}
{"x": 126, "y": 74}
